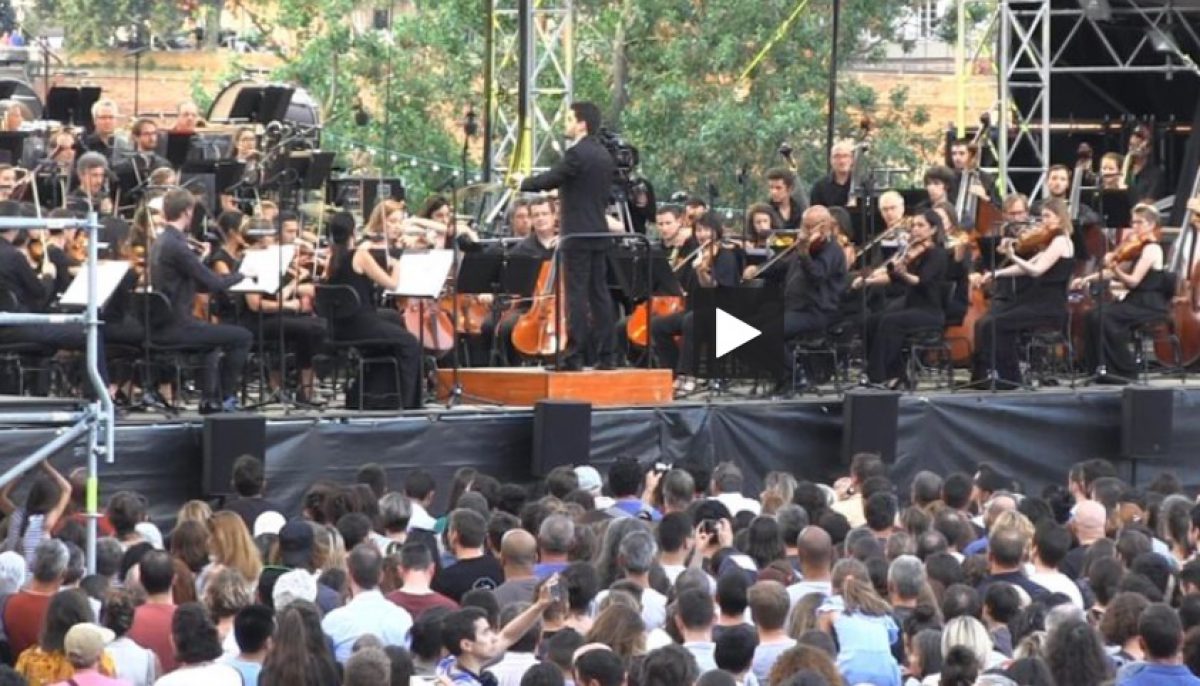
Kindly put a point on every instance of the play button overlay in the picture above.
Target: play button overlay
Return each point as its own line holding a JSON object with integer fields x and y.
{"x": 732, "y": 333}
{"x": 739, "y": 333}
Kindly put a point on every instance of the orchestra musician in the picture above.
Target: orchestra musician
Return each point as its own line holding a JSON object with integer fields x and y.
{"x": 783, "y": 198}
{"x": 244, "y": 151}
{"x": 1040, "y": 301}
{"x": 104, "y": 138}
{"x": 176, "y": 272}
{"x": 834, "y": 189}
{"x": 31, "y": 291}
{"x": 960, "y": 262}
{"x": 92, "y": 191}
{"x": 584, "y": 178}
{"x": 290, "y": 309}
{"x": 519, "y": 223}
{"x": 761, "y": 224}
{"x": 939, "y": 183}
{"x": 693, "y": 209}
{"x": 964, "y": 155}
{"x": 1110, "y": 171}
{"x": 713, "y": 265}
{"x": 357, "y": 268}
{"x": 1015, "y": 210}
{"x": 813, "y": 277}
{"x": 54, "y": 175}
{"x": 540, "y": 245}
{"x": 145, "y": 158}
{"x": 1147, "y": 180}
{"x": 920, "y": 270}
{"x": 1058, "y": 185}
{"x": 8, "y": 181}
{"x": 1137, "y": 264}
{"x": 676, "y": 238}
{"x": 15, "y": 114}
{"x": 232, "y": 227}
{"x": 187, "y": 118}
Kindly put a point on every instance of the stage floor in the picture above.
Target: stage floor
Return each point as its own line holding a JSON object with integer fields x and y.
{"x": 1033, "y": 436}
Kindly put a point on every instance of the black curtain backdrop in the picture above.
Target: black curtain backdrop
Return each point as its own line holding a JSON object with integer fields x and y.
{"x": 1032, "y": 437}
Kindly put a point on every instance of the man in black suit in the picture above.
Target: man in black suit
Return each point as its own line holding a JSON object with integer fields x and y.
{"x": 176, "y": 273}
{"x": 584, "y": 178}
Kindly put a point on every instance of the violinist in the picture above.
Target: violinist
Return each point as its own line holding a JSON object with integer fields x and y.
{"x": 920, "y": 271}
{"x": 387, "y": 219}
{"x": 761, "y": 224}
{"x": 813, "y": 277}
{"x": 176, "y": 271}
{"x": 357, "y": 268}
{"x": 1040, "y": 301}
{"x": 437, "y": 217}
{"x": 1137, "y": 263}
{"x": 56, "y": 246}
{"x": 714, "y": 265}
{"x": 233, "y": 227}
{"x": 290, "y": 309}
{"x": 676, "y": 238}
{"x": 958, "y": 269}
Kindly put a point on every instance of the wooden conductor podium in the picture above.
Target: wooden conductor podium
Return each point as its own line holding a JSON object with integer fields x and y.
{"x": 525, "y": 386}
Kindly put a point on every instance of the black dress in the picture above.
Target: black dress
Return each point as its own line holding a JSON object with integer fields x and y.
{"x": 303, "y": 333}
{"x": 1146, "y": 302}
{"x": 663, "y": 330}
{"x": 922, "y": 308}
{"x": 388, "y": 336}
{"x": 1042, "y": 302}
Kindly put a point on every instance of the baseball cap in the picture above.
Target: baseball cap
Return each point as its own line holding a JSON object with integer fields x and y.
{"x": 269, "y": 522}
{"x": 296, "y": 543}
{"x": 85, "y": 641}
{"x": 589, "y": 478}
{"x": 297, "y": 584}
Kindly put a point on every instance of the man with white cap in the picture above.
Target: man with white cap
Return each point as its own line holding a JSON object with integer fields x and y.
{"x": 84, "y": 644}
{"x": 590, "y": 481}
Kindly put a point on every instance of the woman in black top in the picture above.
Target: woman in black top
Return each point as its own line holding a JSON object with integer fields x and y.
{"x": 921, "y": 273}
{"x": 231, "y": 225}
{"x": 1146, "y": 301}
{"x": 715, "y": 265}
{"x": 1041, "y": 301}
{"x": 357, "y": 268}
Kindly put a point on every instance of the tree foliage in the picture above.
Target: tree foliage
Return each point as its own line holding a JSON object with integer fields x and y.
{"x": 91, "y": 24}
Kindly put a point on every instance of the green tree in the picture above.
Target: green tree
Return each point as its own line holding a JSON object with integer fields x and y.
{"x": 88, "y": 26}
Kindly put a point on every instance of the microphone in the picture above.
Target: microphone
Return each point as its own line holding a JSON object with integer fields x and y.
{"x": 471, "y": 123}
{"x": 785, "y": 150}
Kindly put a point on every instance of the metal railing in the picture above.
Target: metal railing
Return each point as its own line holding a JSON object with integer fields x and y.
{"x": 96, "y": 420}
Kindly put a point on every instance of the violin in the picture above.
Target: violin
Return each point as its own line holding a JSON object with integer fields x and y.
{"x": 1129, "y": 250}
{"x": 1034, "y": 240}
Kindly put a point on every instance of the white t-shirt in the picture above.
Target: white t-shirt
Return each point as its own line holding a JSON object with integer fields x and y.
{"x": 1057, "y": 582}
{"x": 208, "y": 674}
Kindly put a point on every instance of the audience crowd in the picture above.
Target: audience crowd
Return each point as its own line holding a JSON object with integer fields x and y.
{"x": 646, "y": 577}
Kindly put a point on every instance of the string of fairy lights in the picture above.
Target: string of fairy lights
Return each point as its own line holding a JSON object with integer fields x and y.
{"x": 395, "y": 157}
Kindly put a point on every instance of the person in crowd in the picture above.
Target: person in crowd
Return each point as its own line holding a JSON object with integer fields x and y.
{"x": 769, "y": 604}
{"x": 367, "y": 611}
{"x": 135, "y": 665}
{"x": 25, "y": 611}
{"x": 521, "y": 656}
{"x": 84, "y": 645}
{"x": 1161, "y": 636}
{"x": 555, "y": 537}
{"x": 48, "y": 498}
{"x": 598, "y": 666}
{"x": 224, "y": 597}
{"x": 693, "y": 616}
{"x": 300, "y": 653}
{"x": 249, "y": 482}
{"x": 152, "y": 620}
{"x": 518, "y": 555}
{"x": 197, "y": 651}
{"x": 415, "y": 594}
{"x": 47, "y": 662}
{"x": 473, "y": 567}
{"x": 420, "y": 488}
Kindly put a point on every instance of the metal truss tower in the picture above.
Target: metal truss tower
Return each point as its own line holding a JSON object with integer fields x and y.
{"x": 528, "y": 82}
{"x": 1031, "y": 57}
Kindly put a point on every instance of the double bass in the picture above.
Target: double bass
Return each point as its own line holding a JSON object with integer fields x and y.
{"x": 1185, "y": 306}
{"x": 542, "y": 331}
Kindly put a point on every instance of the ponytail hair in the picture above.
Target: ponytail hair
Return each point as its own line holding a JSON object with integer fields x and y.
{"x": 852, "y": 580}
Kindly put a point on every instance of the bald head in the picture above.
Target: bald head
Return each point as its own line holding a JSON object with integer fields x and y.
{"x": 814, "y": 547}
{"x": 518, "y": 549}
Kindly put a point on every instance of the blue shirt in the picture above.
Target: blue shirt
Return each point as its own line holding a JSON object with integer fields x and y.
{"x": 545, "y": 570}
{"x": 248, "y": 670}
{"x": 367, "y": 613}
{"x": 1147, "y": 674}
{"x": 634, "y": 507}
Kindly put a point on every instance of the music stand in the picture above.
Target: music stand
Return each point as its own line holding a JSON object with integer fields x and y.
{"x": 1115, "y": 207}
{"x": 178, "y": 147}
{"x": 12, "y": 146}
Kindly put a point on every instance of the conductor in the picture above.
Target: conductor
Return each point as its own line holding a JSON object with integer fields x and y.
{"x": 584, "y": 178}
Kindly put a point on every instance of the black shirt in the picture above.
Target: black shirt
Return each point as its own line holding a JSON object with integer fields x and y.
{"x": 250, "y": 508}
{"x": 815, "y": 281}
{"x": 792, "y": 222}
{"x": 18, "y": 278}
{"x": 530, "y": 246}
{"x": 830, "y": 193}
{"x": 176, "y": 271}
{"x": 1148, "y": 184}
{"x": 456, "y": 580}
{"x": 930, "y": 268}
{"x": 62, "y": 267}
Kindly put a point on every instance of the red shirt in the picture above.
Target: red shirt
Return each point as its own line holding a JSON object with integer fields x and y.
{"x": 152, "y": 629}
{"x": 418, "y": 604}
{"x": 103, "y": 526}
{"x": 24, "y": 614}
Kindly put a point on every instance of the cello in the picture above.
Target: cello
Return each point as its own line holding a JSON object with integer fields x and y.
{"x": 1185, "y": 309}
{"x": 542, "y": 331}
{"x": 637, "y": 327}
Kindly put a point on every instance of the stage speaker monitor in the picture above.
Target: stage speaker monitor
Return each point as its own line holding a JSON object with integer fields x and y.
{"x": 869, "y": 423}
{"x": 562, "y": 434}
{"x": 1146, "y": 421}
{"x": 226, "y": 438}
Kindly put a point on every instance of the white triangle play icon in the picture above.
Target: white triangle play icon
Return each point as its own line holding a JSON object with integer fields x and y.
{"x": 732, "y": 333}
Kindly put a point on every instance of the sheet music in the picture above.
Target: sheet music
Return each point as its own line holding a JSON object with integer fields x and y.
{"x": 109, "y": 274}
{"x": 423, "y": 274}
{"x": 264, "y": 269}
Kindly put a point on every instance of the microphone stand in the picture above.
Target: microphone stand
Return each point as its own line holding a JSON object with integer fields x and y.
{"x": 866, "y": 192}
{"x": 455, "y": 393}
